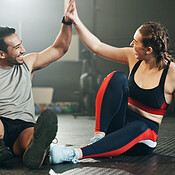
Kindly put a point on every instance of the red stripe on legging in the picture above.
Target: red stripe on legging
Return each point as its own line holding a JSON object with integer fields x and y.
{"x": 160, "y": 111}
{"x": 148, "y": 134}
{"x": 99, "y": 99}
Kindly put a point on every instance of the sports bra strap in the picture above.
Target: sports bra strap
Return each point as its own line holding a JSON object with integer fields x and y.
{"x": 135, "y": 67}
{"x": 163, "y": 76}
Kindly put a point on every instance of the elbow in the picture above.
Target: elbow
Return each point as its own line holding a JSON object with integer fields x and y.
{"x": 61, "y": 50}
{"x": 65, "y": 49}
{"x": 95, "y": 49}
{"x": 65, "y": 46}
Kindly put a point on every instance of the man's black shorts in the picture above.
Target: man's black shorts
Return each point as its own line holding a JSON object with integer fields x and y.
{"x": 12, "y": 129}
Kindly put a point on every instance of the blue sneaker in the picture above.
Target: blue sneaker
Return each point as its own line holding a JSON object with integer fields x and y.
{"x": 60, "y": 154}
{"x": 96, "y": 138}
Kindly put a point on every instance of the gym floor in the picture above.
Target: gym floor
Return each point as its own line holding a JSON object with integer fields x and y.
{"x": 77, "y": 131}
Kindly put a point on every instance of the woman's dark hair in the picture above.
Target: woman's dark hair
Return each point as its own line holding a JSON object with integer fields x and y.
{"x": 156, "y": 36}
{"x": 5, "y": 31}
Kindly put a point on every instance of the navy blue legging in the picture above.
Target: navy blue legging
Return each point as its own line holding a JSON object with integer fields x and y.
{"x": 126, "y": 131}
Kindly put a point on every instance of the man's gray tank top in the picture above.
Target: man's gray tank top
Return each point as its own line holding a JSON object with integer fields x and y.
{"x": 16, "y": 98}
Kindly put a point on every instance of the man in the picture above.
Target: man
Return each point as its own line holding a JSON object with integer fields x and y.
{"x": 19, "y": 134}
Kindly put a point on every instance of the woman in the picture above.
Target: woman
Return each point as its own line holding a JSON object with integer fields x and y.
{"x": 128, "y": 113}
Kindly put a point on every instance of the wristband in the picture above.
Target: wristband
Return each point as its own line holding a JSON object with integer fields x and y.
{"x": 66, "y": 22}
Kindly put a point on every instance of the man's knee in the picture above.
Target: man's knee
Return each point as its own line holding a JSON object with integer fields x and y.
{"x": 23, "y": 140}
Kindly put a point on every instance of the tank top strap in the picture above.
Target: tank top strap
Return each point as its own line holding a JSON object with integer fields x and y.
{"x": 163, "y": 77}
{"x": 135, "y": 67}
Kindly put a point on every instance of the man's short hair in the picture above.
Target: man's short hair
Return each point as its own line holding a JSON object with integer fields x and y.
{"x": 5, "y": 31}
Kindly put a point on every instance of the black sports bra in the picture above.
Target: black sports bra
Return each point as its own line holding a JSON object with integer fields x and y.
{"x": 153, "y": 98}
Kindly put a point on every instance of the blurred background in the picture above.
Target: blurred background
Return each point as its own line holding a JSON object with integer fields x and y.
{"x": 70, "y": 84}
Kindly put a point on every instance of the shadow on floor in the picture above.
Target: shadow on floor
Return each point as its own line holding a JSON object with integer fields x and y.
{"x": 161, "y": 162}
{"x": 155, "y": 163}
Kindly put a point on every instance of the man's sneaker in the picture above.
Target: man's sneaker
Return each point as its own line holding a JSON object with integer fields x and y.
{"x": 44, "y": 132}
{"x": 60, "y": 154}
{"x": 5, "y": 152}
{"x": 96, "y": 138}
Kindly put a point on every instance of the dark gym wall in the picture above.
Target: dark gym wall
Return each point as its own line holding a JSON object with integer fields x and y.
{"x": 112, "y": 21}
{"x": 115, "y": 21}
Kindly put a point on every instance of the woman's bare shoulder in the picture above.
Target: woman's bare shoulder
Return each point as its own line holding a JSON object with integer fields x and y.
{"x": 172, "y": 68}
